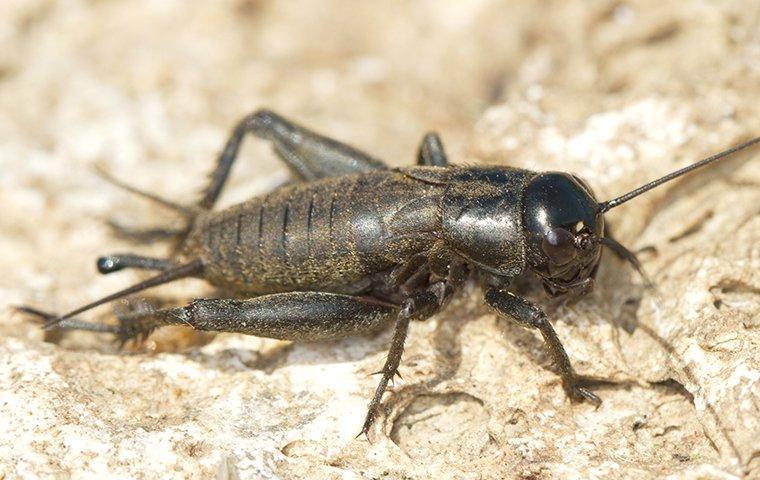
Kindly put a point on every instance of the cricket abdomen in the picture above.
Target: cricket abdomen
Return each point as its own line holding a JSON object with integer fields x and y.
{"x": 331, "y": 235}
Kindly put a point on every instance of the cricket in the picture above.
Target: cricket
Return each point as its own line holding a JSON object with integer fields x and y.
{"x": 352, "y": 245}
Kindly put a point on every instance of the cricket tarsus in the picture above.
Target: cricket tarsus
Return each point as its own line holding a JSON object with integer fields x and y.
{"x": 351, "y": 245}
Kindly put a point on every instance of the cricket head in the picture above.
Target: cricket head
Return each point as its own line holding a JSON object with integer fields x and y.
{"x": 564, "y": 227}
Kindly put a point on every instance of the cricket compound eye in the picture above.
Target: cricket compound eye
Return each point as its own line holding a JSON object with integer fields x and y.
{"x": 559, "y": 245}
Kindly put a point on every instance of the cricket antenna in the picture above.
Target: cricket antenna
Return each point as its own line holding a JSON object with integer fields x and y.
{"x": 609, "y": 204}
{"x": 181, "y": 271}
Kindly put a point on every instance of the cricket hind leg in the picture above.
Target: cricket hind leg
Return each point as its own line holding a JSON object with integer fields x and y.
{"x": 309, "y": 155}
{"x": 70, "y": 324}
{"x": 130, "y": 327}
{"x": 193, "y": 268}
{"x": 297, "y": 316}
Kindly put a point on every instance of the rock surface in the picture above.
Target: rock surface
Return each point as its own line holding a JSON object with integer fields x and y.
{"x": 616, "y": 92}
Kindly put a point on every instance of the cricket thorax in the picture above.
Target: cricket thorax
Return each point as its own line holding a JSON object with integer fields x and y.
{"x": 482, "y": 218}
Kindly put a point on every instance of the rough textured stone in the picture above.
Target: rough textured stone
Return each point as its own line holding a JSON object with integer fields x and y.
{"x": 616, "y": 92}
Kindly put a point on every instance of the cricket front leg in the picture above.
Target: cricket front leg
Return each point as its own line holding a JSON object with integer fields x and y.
{"x": 529, "y": 315}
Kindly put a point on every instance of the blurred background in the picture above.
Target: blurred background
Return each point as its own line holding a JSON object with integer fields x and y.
{"x": 616, "y": 91}
{"x": 150, "y": 89}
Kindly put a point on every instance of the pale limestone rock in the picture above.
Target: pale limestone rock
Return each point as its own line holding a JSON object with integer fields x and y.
{"x": 618, "y": 93}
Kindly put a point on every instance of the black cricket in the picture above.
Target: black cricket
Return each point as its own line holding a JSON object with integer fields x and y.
{"x": 351, "y": 245}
